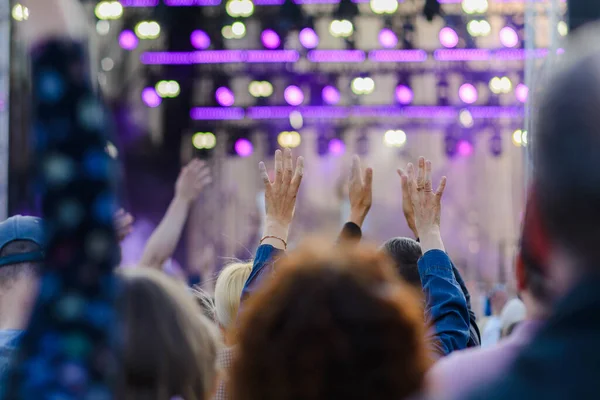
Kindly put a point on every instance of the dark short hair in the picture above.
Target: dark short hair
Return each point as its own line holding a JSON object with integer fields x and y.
{"x": 566, "y": 162}
{"x": 405, "y": 253}
{"x": 10, "y": 273}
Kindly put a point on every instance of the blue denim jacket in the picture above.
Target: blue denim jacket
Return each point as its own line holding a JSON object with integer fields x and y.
{"x": 446, "y": 307}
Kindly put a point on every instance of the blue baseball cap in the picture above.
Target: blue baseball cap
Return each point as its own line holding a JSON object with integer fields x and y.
{"x": 21, "y": 227}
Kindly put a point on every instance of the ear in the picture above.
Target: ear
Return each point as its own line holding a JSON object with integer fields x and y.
{"x": 520, "y": 274}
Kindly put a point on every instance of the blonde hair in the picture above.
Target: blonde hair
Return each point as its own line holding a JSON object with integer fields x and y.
{"x": 169, "y": 348}
{"x": 228, "y": 291}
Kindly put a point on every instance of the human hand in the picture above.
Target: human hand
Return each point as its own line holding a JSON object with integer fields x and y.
{"x": 407, "y": 207}
{"x": 426, "y": 204}
{"x": 123, "y": 222}
{"x": 280, "y": 195}
{"x": 360, "y": 191}
{"x": 192, "y": 179}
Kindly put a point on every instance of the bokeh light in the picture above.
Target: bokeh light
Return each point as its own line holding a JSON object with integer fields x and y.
{"x": 509, "y": 37}
{"x": 260, "y": 89}
{"x": 270, "y": 39}
{"x": 128, "y": 40}
{"x": 563, "y": 29}
{"x": 243, "y": 147}
{"x": 168, "y": 89}
{"x": 404, "y": 95}
{"x": 200, "y": 40}
{"x": 468, "y": 93}
{"x": 394, "y": 138}
{"x": 384, "y": 6}
{"x": 296, "y": 120}
{"x": 336, "y": 147}
{"x": 500, "y": 85}
{"x": 204, "y": 140}
{"x": 151, "y": 98}
{"x": 224, "y": 96}
{"x": 519, "y": 138}
{"x": 108, "y": 10}
{"x": 466, "y": 118}
{"x": 293, "y": 95}
{"x": 341, "y": 28}
{"x": 475, "y": 6}
{"x": 147, "y": 30}
{"x": 448, "y": 37}
{"x": 522, "y": 92}
{"x": 239, "y": 8}
{"x": 308, "y": 38}
{"x": 330, "y": 95}
{"x": 102, "y": 27}
{"x": 479, "y": 28}
{"x": 289, "y": 139}
{"x": 464, "y": 148}
{"x": 387, "y": 38}
{"x": 20, "y": 12}
{"x": 363, "y": 85}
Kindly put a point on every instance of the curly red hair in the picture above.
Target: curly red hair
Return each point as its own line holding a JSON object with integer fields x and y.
{"x": 331, "y": 324}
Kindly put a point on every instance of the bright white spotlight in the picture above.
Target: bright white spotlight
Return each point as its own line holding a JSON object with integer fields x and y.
{"x": 562, "y": 28}
{"x": 341, "y": 28}
{"x": 466, "y": 118}
{"x": 474, "y": 6}
{"x": 384, "y": 6}
{"x": 238, "y": 29}
{"x": 289, "y": 139}
{"x": 20, "y": 12}
{"x": 102, "y": 27}
{"x": 108, "y": 10}
{"x": 394, "y": 138}
{"x": 147, "y": 30}
{"x": 239, "y": 8}
{"x": 204, "y": 140}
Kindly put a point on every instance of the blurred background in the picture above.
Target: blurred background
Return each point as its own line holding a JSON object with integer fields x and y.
{"x": 230, "y": 81}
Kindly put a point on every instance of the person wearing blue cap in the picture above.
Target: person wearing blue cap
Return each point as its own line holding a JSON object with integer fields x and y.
{"x": 22, "y": 248}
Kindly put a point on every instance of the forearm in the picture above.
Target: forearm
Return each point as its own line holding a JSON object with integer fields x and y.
{"x": 351, "y": 233}
{"x": 275, "y": 234}
{"x": 164, "y": 239}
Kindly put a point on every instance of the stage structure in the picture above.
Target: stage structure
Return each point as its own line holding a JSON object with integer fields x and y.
{"x": 5, "y": 22}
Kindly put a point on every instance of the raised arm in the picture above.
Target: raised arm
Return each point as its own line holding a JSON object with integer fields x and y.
{"x": 446, "y": 306}
{"x": 280, "y": 203}
{"x": 162, "y": 243}
{"x": 360, "y": 191}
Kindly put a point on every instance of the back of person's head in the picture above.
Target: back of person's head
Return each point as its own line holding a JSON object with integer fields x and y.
{"x": 566, "y": 145}
{"x": 332, "y": 323}
{"x": 11, "y": 273}
{"x": 405, "y": 253}
{"x": 169, "y": 348}
{"x": 228, "y": 291}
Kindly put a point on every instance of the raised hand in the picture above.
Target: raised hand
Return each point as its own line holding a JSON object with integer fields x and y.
{"x": 123, "y": 222}
{"x": 192, "y": 179}
{"x": 360, "y": 191}
{"x": 426, "y": 203}
{"x": 407, "y": 207}
{"x": 280, "y": 195}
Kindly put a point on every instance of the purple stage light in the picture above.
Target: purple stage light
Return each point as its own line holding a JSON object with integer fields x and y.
{"x": 520, "y": 54}
{"x": 468, "y": 93}
{"x": 151, "y": 98}
{"x": 217, "y": 113}
{"x": 243, "y": 147}
{"x": 200, "y": 40}
{"x": 387, "y": 38}
{"x": 188, "y": 3}
{"x": 308, "y": 38}
{"x": 128, "y": 40}
{"x": 327, "y": 56}
{"x": 336, "y": 147}
{"x": 293, "y": 95}
{"x": 330, "y": 95}
{"x": 139, "y": 3}
{"x": 271, "y": 56}
{"x": 522, "y": 92}
{"x": 270, "y": 39}
{"x": 224, "y": 96}
{"x": 398, "y": 55}
{"x": 448, "y": 37}
{"x": 509, "y": 37}
{"x": 462, "y": 55}
{"x": 464, "y": 148}
{"x": 404, "y": 95}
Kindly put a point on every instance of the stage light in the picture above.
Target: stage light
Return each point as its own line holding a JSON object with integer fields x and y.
{"x": 204, "y": 140}
{"x": 562, "y": 28}
{"x": 509, "y": 37}
{"x": 238, "y": 29}
{"x": 108, "y": 10}
{"x": 479, "y": 28}
{"x": 20, "y": 12}
{"x": 128, "y": 40}
{"x": 330, "y": 95}
{"x": 293, "y": 95}
{"x": 107, "y": 64}
{"x": 239, "y": 8}
{"x": 384, "y": 6}
{"x": 341, "y": 28}
{"x": 147, "y": 30}
{"x": 289, "y": 139}
{"x": 448, "y": 37}
{"x": 243, "y": 147}
{"x": 200, "y": 40}
{"x": 260, "y": 89}
{"x": 500, "y": 85}
{"x": 224, "y": 96}
{"x": 465, "y": 118}
{"x": 394, "y": 138}
{"x": 168, "y": 89}
{"x": 464, "y": 148}
{"x": 468, "y": 93}
{"x": 296, "y": 120}
{"x": 111, "y": 150}
{"x": 475, "y": 6}
{"x": 151, "y": 98}
{"x": 336, "y": 147}
{"x": 522, "y": 92}
{"x": 387, "y": 38}
{"x": 270, "y": 39}
{"x": 362, "y": 85}
{"x": 404, "y": 95}
{"x": 519, "y": 138}
{"x": 308, "y": 38}
{"x": 102, "y": 27}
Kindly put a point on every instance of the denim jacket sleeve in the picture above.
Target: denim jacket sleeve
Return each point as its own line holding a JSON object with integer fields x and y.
{"x": 262, "y": 268}
{"x": 446, "y": 307}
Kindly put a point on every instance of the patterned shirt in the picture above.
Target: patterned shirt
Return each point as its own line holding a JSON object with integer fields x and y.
{"x": 224, "y": 362}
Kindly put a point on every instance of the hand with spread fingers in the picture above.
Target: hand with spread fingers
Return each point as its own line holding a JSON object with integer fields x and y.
{"x": 427, "y": 204}
{"x": 360, "y": 191}
{"x": 280, "y": 197}
{"x": 192, "y": 179}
